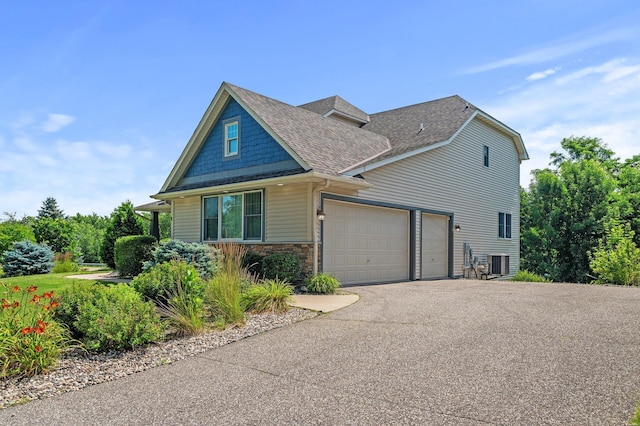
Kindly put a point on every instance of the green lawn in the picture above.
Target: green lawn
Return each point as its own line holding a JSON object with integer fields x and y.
{"x": 47, "y": 282}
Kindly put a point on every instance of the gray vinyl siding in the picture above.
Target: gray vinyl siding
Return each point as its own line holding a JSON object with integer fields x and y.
{"x": 186, "y": 219}
{"x": 288, "y": 213}
{"x": 453, "y": 178}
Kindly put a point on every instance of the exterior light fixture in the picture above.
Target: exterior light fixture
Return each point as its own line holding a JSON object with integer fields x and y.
{"x": 320, "y": 214}
{"x": 457, "y": 227}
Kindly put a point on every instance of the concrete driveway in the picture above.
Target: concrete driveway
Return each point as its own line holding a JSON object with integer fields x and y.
{"x": 436, "y": 353}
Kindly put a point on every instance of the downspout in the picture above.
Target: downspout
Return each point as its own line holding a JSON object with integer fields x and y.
{"x": 316, "y": 232}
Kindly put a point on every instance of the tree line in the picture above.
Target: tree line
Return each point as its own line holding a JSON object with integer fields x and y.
{"x": 580, "y": 217}
{"x": 88, "y": 238}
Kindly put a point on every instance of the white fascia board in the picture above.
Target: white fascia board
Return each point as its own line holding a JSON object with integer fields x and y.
{"x": 197, "y": 138}
{"x": 345, "y": 115}
{"x": 517, "y": 139}
{"x": 408, "y": 154}
{"x": 263, "y": 183}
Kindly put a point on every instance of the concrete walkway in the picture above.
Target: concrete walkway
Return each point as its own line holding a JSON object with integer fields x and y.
{"x": 437, "y": 353}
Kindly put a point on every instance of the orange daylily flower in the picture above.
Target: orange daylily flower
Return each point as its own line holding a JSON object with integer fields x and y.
{"x": 47, "y": 294}
{"x": 38, "y": 348}
{"x": 31, "y": 289}
{"x": 16, "y": 304}
{"x": 35, "y": 298}
{"x": 16, "y": 289}
{"x": 26, "y": 330}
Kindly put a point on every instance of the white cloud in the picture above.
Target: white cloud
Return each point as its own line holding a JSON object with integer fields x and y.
{"x": 114, "y": 151}
{"x": 57, "y": 122}
{"x": 25, "y": 144}
{"x": 542, "y": 74}
{"x": 599, "y": 101}
{"x": 558, "y": 49}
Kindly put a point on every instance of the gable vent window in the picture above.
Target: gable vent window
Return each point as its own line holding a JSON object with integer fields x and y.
{"x": 233, "y": 217}
{"x": 504, "y": 225}
{"x": 486, "y": 156}
{"x": 232, "y": 138}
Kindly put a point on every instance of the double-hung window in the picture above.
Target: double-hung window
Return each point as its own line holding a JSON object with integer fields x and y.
{"x": 231, "y": 138}
{"x": 233, "y": 217}
{"x": 504, "y": 225}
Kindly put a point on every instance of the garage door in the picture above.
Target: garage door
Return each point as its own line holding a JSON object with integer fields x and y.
{"x": 363, "y": 244}
{"x": 435, "y": 259}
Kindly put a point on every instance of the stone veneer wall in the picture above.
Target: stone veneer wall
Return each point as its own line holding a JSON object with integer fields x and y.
{"x": 303, "y": 251}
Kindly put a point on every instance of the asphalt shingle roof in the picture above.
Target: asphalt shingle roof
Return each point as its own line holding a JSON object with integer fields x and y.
{"x": 336, "y": 103}
{"x": 441, "y": 119}
{"x": 325, "y": 144}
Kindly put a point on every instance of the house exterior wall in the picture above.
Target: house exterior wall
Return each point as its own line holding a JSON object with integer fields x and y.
{"x": 186, "y": 219}
{"x": 288, "y": 213}
{"x": 258, "y": 151}
{"x": 453, "y": 179}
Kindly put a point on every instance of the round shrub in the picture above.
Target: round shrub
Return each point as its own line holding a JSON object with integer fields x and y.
{"x": 284, "y": 266}
{"x": 322, "y": 284}
{"x": 27, "y": 258}
{"x": 203, "y": 257}
{"x": 252, "y": 262}
{"x": 115, "y": 317}
{"x": 131, "y": 252}
{"x": 161, "y": 281}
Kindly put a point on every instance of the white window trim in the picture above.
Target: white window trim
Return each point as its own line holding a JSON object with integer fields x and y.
{"x": 504, "y": 226}
{"x": 242, "y": 230}
{"x": 227, "y": 153}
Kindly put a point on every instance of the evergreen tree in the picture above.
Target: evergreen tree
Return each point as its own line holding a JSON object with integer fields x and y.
{"x": 50, "y": 210}
{"x": 124, "y": 222}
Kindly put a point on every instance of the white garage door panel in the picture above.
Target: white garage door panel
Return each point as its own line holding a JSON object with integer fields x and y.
{"x": 365, "y": 244}
{"x": 435, "y": 260}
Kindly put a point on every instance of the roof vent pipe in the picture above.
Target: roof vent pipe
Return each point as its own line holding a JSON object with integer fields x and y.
{"x": 421, "y": 128}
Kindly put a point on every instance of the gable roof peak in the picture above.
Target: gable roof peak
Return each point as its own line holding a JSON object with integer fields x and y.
{"x": 338, "y": 107}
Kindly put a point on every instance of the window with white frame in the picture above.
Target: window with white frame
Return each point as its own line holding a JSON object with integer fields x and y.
{"x": 231, "y": 138}
{"x": 504, "y": 225}
{"x": 485, "y": 151}
{"x": 233, "y": 217}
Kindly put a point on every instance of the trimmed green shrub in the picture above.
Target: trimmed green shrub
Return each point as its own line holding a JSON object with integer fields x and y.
{"x": 27, "y": 258}
{"x": 203, "y": 257}
{"x": 131, "y": 252}
{"x": 530, "y": 277}
{"x": 160, "y": 282}
{"x": 322, "y": 284}
{"x": 268, "y": 296}
{"x": 114, "y": 317}
{"x": 253, "y": 263}
{"x": 123, "y": 222}
{"x": 284, "y": 266}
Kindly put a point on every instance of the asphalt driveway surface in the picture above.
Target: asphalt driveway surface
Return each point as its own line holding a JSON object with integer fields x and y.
{"x": 435, "y": 353}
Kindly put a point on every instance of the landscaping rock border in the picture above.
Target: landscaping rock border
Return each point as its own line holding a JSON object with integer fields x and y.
{"x": 77, "y": 369}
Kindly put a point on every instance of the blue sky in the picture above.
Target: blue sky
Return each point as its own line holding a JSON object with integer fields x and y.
{"x": 98, "y": 99}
